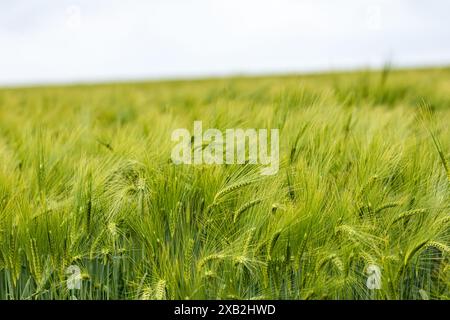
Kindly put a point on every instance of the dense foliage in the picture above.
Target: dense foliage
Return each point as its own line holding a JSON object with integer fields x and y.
{"x": 86, "y": 180}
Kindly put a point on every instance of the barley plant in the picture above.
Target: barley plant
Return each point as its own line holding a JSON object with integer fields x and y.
{"x": 87, "y": 184}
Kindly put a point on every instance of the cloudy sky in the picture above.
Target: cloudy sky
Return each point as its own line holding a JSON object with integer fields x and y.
{"x": 50, "y": 41}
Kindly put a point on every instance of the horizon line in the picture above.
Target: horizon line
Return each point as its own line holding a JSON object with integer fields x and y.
{"x": 201, "y": 76}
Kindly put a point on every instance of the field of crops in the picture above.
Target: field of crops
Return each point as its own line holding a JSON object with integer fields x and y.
{"x": 88, "y": 190}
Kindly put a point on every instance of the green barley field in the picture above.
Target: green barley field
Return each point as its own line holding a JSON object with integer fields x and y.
{"x": 88, "y": 191}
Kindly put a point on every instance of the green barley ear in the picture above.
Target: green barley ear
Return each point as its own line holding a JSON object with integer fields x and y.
{"x": 147, "y": 293}
{"x": 445, "y": 220}
{"x": 244, "y": 208}
{"x": 408, "y": 214}
{"x": 230, "y": 189}
{"x": 173, "y": 217}
{"x": 160, "y": 290}
{"x": 367, "y": 258}
{"x": 345, "y": 229}
{"x": 13, "y": 260}
{"x": 35, "y": 261}
{"x": 334, "y": 259}
{"x": 388, "y": 205}
{"x": 188, "y": 255}
{"x": 261, "y": 297}
{"x": 338, "y": 264}
{"x": 424, "y": 294}
{"x": 422, "y": 245}
{"x": 247, "y": 241}
{"x": 212, "y": 257}
{"x": 438, "y": 245}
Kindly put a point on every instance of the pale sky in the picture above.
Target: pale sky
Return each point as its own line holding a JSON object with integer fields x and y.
{"x": 52, "y": 41}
